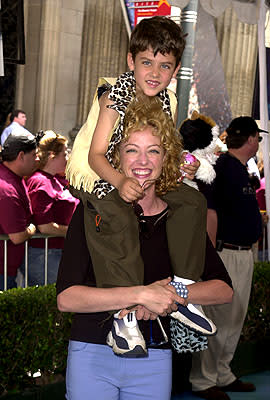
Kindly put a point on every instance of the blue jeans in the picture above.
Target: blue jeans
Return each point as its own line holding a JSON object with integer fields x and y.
{"x": 95, "y": 372}
{"x": 11, "y": 282}
{"x": 36, "y": 265}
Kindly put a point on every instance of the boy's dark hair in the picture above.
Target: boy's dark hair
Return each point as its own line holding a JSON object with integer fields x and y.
{"x": 161, "y": 34}
{"x": 15, "y": 113}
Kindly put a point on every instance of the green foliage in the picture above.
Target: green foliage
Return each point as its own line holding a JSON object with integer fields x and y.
{"x": 257, "y": 324}
{"x": 34, "y": 335}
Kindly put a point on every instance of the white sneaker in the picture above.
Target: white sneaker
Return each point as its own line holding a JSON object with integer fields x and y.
{"x": 192, "y": 316}
{"x": 125, "y": 337}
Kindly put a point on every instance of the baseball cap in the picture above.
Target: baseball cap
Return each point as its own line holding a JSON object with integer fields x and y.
{"x": 16, "y": 143}
{"x": 243, "y": 126}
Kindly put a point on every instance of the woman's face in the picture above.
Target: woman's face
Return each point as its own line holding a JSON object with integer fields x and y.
{"x": 60, "y": 160}
{"x": 142, "y": 156}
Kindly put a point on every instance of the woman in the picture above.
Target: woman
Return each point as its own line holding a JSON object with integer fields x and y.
{"x": 52, "y": 206}
{"x": 93, "y": 370}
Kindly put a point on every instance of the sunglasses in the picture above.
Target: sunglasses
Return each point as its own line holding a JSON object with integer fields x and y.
{"x": 145, "y": 228}
{"x": 138, "y": 209}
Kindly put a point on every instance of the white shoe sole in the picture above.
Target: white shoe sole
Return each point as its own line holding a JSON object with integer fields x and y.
{"x": 193, "y": 316}
{"x": 122, "y": 347}
{"x": 195, "y": 319}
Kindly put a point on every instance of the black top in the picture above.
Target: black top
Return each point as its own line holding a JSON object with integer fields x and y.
{"x": 76, "y": 269}
{"x": 239, "y": 219}
{"x": 207, "y": 190}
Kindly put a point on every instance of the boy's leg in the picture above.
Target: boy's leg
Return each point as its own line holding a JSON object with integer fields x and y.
{"x": 112, "y": 234}
{"x": 192, "y": 315}
{"x": 186, "y": 232}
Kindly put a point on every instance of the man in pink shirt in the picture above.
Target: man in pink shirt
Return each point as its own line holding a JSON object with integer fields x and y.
{"x": 18, "y": 159}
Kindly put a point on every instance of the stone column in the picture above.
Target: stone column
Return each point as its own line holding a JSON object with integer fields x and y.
{"x": 185, "y": 74}
{"x": 104, "y": 50}
{"x": 47, "y": 63}
{"x": 238, "y": 47}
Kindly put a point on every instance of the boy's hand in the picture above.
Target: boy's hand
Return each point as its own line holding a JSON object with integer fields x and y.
{"x": 189, "y": 169}
{"x": 130, "y": 189}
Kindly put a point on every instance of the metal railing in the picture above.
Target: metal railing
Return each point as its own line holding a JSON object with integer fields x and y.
{"x": 5, "y": 238}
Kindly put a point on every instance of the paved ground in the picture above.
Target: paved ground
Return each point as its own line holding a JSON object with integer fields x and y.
{"x": 261, "y": 380}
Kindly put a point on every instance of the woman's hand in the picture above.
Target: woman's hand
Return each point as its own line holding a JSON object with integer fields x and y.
{"x": 160, "y": 298}
{"x": 130, "y": 189}
{"x": 157, "y": 299}
{"x": 145, "y": 314}
{"x": 52, "y": 228}
{"x": 141, "y": 313}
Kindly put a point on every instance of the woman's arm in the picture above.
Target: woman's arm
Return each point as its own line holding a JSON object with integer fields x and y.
{"x": 44, "y": 199}
{"x": 204, "y": 293}
{"x": 159, "y": 298}
{"x": 210, "y": 292}
{"x": 21, "y": 237}
{"x": 216, "y": 284}
{"x": 52, "y": 228}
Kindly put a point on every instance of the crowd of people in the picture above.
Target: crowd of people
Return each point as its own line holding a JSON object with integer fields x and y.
{"x": 146, "y": 262}
{"x": 34, "y": 198}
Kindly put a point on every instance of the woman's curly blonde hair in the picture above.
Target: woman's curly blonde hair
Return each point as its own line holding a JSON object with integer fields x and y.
{"x": 51, "y": 142}
{"x": 146, "y": 111}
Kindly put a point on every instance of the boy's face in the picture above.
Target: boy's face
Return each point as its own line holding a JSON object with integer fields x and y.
{"x": 152, "y": 73}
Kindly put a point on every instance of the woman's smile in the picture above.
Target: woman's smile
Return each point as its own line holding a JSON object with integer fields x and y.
{"x": 142, "y": 155}
{"x": 142, "y": 173}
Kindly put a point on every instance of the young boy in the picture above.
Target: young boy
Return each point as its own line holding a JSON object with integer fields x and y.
{"x": 156, "y": 47}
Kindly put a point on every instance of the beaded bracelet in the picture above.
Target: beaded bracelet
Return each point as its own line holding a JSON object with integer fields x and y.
{"x": 180, "y": 288}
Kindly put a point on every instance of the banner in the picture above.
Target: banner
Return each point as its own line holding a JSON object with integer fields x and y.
{"x": 137, "y": 10}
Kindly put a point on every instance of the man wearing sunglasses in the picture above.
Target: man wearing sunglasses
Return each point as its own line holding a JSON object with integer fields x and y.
{"x": 239, "y": 225}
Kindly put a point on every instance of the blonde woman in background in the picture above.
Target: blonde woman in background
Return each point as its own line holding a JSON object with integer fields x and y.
{"x": 52, "y": 206}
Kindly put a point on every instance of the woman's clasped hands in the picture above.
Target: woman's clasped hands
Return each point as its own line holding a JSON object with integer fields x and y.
{"x": 157, "y": 299}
